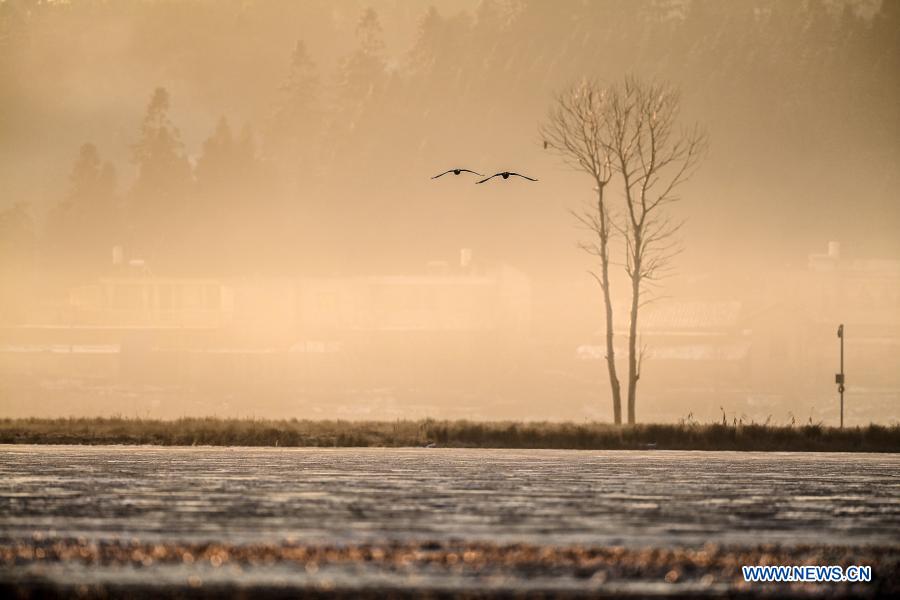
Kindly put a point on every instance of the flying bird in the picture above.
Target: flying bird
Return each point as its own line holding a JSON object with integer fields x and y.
{"x": 505, "y": 175}
{"x": 457, "y": 172}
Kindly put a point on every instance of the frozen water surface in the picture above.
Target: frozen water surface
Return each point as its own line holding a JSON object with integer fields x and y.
{"x": 538, "y": 496}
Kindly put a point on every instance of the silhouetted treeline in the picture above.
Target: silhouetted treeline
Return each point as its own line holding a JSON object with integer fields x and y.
{"x": 317, "y": 125}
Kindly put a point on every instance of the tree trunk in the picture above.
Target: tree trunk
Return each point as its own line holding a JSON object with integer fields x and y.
{"x": 611, "y": 362}
{"x": 633, "y": 374}
{"x": 607, "y": 302}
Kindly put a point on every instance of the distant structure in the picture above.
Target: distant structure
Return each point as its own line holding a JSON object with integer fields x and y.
{"x": 451, "y": 325}
{"x": 839, "y": 378}
{"x": 772, "y": 348}
{"x": 473, "y": 336}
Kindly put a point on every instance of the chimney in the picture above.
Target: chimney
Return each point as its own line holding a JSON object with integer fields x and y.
{"x": 834, "y": 250}
{"x": 118, "y": 256}
{"x": 465, "y": 257}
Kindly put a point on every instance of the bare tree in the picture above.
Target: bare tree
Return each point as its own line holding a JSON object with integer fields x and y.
{"x": 576, "y": 130}
{"x": 654, "y": 157}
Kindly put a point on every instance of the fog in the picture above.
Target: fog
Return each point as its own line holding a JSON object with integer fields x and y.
{"x": 227, "y": 208}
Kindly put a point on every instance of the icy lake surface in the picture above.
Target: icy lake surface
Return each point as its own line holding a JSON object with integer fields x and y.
{"x": 354, "y": 495}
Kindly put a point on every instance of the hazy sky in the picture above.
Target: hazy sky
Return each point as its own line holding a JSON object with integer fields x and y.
{"x": 803, "y": 122}
{"x": 338, "y": 114}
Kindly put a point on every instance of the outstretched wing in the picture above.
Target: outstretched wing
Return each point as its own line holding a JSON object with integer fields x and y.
{"x": 472, "y": 172}
{"x": 523, "y": 176}
{"x": 488, "y": 178}
{"x": 442, "y": 174}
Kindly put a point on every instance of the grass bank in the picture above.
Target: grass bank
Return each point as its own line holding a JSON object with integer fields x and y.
{"x": 457, "y": 434}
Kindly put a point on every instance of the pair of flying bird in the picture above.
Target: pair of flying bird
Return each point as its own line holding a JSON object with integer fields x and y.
{"x": 503, "y": 174}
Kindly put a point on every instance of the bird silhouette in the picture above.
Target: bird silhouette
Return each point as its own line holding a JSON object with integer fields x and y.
{"x": 505, "y": 175}
{"x": 457, "y": 172}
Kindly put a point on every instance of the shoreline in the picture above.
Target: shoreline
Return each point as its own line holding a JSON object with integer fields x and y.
{"x": 454, "y": 569}
{"x": 213, "y": 431}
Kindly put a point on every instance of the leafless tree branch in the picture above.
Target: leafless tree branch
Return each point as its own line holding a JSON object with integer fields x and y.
{"x": 576, "y": 129}
{"x": 654, "y": 158}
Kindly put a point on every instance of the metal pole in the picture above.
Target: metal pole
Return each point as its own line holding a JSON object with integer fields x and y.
{"x": 840, "y": 376}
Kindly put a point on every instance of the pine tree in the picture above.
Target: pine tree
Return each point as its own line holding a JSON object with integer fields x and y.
{"x": 362, "y": 73}
{"x": 362, "y": 104}
{"x": 160, "y": 193}
{"x": 235, "y": 213}
{"x": 294, "y": 131}
{"x": 83, "y": 226}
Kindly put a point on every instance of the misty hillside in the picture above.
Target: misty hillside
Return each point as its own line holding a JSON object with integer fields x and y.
{"x": 306, "y": 132}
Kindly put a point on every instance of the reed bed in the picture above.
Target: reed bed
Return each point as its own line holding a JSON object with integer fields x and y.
{"x": 214, "y": 431}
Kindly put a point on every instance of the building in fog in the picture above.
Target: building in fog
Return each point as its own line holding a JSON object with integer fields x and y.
{"x": 130, "y": 301}
{"x": 449, "y": 327}
{"x": 774, "y": 351}
{"x": 462, "y": 336}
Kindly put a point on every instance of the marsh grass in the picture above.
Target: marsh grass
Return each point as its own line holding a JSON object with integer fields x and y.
{"x": 459, "y": 434}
